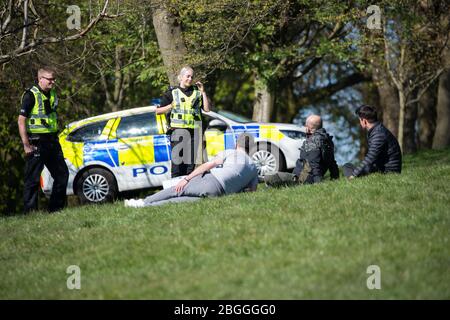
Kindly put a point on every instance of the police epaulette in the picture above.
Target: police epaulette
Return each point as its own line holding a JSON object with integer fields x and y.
{"x": 171, "y": 88}
{"x": 28, "y": 89}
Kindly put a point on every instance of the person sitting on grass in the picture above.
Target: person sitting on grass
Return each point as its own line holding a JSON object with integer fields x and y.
{"x": 383, "y": 155}
{"x": 315, "y": 159}
{"x": 231, "y": 171}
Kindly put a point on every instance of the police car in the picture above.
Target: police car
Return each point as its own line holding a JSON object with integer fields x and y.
{"x": 130, "y": 150}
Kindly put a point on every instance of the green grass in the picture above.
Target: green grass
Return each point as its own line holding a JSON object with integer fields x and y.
{"x": 291, "y": 243}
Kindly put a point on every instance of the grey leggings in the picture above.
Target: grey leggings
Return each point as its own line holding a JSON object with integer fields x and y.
{"x": 205, "y": 185}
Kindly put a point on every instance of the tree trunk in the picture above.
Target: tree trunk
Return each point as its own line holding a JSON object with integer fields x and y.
{"x": 118, "y": 80}
{"x": 442, "y": 134}
{"x": 401, "y": 117}
{"x": 292, "y": 108}
{"x": 427, "y": 118}
{"x": 388, "y": 100}
{"x": 441, "y": 137}
{"x": 264, "y": 100}
{"x": 409, "y": 129}
{"x": 285, "y": 107}
{"x": 170, "y": 40}
{"x": 363, "y": 147}
{"x": 370, "y": 95}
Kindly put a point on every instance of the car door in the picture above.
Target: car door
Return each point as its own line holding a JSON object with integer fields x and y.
{"x": 222, "y": 133}
{"x": 214, "y": 135}
{"x": 143, "y": 153}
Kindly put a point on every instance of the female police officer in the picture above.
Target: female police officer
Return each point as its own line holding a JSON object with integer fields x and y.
{"x": 184, "y": 103}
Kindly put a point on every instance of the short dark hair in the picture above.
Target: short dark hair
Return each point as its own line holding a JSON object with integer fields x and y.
{"x": 246, "y": 141}
{"x": 367, "y": 112}
{"x": 48, "y": 69}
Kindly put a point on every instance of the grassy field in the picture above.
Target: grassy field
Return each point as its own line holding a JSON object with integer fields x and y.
{"x": 307, "y": 242}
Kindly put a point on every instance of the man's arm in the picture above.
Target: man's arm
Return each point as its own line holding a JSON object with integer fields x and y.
{"x": 375, "y": 148}
{"x": 198, "y": 171}
{"x": 28, "y": 148}
{"x": 27, "y": 105}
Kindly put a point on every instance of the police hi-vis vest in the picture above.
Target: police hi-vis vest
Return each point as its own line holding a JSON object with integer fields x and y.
{"x": 39, "y": 121}
{"x": 186, "y": 111}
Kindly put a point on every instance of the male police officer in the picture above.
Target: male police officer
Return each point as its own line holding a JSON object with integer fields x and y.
{"x": 38, "y": 127}
{"x": 316, "y": 157}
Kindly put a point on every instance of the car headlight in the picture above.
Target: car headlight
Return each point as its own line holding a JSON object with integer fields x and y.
{"x": 297, "y": 135}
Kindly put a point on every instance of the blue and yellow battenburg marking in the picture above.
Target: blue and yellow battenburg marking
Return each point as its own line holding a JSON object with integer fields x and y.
{"x": 115, "y": 152}
{"x": 217, "y": 141}
{"x": 119, "y": 152}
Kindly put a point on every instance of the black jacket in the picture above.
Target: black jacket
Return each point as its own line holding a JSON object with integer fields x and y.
{"x": 384, "y": 154}
{"x": 318, "y": 150}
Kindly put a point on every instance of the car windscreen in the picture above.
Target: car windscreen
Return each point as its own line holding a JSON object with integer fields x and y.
{"x": 88, "y": 132}
{"x": 137, "y": 126}
{"x": 233, "y": 116}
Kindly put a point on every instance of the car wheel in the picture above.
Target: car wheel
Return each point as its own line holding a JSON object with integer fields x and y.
{"x": 96, "y": 186}
{"x": 268, "y": 159}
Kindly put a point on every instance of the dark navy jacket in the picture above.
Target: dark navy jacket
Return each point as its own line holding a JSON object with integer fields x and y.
{"x": 384, "y": 154}
{"x": 318, "y": 150}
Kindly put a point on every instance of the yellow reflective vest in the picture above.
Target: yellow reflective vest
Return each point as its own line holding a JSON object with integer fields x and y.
{"x": 186, "y": 111}
{"x": 39, "y": 121}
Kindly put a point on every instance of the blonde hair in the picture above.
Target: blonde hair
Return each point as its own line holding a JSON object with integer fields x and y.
{"x": 183, "y": 71}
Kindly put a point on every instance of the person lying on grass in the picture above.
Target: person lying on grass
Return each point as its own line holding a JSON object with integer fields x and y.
{"x": 231, "y": 171}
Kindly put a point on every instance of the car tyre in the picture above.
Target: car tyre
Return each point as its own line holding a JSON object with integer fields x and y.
{"x": 96, "y": 185}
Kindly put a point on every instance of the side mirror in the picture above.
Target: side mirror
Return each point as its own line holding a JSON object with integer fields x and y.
{"x": 218, "y": 124}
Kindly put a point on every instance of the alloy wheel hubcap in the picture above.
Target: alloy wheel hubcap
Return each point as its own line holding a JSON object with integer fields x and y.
{"x": 95, "y": 188}
{"x": 265, "y": 162}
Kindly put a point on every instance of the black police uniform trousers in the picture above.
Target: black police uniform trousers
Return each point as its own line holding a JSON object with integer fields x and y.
{"x": 184, "y": 150}
{"x": 48, "y": 153}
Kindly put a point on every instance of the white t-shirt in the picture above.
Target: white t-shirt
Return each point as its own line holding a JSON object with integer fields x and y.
{"x": 237, "y": 172}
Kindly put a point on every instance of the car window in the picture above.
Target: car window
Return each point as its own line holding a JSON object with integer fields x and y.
{"x": 234, "y": 116}
{"x": 87, "y": 133}
{"x": 210, "y": 123}
{"x": 137, "y": 125}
